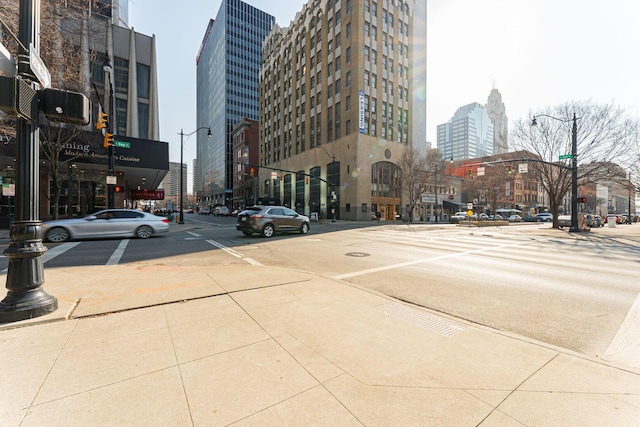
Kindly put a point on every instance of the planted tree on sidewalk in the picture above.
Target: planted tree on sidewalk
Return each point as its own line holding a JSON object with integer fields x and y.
{"x": 414, "y": 177}
{"x": 604, "y": 134}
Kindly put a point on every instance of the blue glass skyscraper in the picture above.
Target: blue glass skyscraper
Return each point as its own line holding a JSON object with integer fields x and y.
{"x": 227, "y": 74}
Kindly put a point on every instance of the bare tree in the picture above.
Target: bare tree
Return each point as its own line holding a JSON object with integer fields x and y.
{"x": 63, "y": 25}
{"x": 415, "y": 176}
{"x": 604, "y": 133}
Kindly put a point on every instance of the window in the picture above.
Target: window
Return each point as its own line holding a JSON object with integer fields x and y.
{"x": 348, "y": 55}
{"x": 367, "y": 29}
{"x": 366, "y": 78}
{"x": 143, "y": 73}
{"x": 367, "y": 53}
{"x": 348, "y": 29}
{"x": 374, "y": 56}
{"x": 348, "y": 83}
{"x": 348, "y": 103}
{"x": 374, "y": 80}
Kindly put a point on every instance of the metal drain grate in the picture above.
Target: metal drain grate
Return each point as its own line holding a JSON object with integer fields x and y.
{"x": 423, "y": 320}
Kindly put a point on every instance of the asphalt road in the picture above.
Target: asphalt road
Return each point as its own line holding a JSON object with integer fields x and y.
{"x": 578, "y": 292}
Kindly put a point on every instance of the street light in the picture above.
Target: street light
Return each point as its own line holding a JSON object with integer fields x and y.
{"x": 574, "y": 166}
{"x": 333, "y": 177}
{"x": 106, "y": 66}
{"x": 182, "y": 135}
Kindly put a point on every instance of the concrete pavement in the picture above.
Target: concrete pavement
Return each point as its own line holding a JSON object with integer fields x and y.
{"x": 179, "y": 344}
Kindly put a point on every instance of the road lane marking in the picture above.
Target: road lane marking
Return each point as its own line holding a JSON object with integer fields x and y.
{"x": 117, "y": 254}
{"x": 421, "y": 261}
{"x": 194, "y": 234}
{"x": 233, "y": 253}
{"x": 52, "y": 253}
{"x": 625, "y": 346}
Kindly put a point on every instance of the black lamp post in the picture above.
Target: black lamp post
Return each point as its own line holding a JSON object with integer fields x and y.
{"x": 26, "y": 297}
{"x": 182, "y": 135}
{"x": 574, "y": 167}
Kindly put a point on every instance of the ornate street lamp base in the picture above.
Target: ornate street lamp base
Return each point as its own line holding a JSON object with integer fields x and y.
{"x": 24, "y": 305}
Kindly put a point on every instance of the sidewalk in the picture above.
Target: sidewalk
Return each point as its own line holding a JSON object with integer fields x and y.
{"x": 179, "y": 345}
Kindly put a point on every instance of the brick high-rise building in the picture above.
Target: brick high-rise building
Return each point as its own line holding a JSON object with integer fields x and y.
{"x": 336, "y": 106}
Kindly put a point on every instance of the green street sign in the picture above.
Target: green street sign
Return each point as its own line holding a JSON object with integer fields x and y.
{"x": 566, "y": 156}
{"x": 121, "y": 144}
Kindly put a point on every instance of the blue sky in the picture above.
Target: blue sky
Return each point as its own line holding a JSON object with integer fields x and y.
{"x": 536, "y": 53}
{"x": 179, "y": 28}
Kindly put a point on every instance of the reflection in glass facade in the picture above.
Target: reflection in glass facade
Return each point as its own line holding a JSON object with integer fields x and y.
{"x": 228, "y": 66}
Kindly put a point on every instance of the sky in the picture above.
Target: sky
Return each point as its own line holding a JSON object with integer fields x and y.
{"x": 538, "y": 54}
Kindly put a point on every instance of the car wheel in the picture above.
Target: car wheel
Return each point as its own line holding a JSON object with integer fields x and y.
{"x": 304, "y": 228}
{"x": 247, "y": 233}
{"x": 57, "y": 235}
{"x": 268, "y": 230}
{"x": 144, "y": 232}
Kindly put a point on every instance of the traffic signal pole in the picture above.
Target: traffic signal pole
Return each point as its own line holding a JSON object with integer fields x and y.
{"x": 26, "y": 298}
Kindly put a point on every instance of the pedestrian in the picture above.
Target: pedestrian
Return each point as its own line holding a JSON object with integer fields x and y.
{"x": 378, "y": 215}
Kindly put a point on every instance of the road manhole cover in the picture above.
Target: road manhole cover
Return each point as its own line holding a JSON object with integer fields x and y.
{"x": 358, "y": 254}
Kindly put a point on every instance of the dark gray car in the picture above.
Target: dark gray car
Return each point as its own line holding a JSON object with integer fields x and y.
{"x": 267, "y": 220}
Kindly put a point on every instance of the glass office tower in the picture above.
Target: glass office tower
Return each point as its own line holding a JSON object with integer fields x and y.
{"x": 227, "y": 72}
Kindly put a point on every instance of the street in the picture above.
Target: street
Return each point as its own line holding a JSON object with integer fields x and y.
{"x": 575, "y": 291}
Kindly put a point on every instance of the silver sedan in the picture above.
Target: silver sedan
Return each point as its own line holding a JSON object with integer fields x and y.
{"x": 106, "y": 224}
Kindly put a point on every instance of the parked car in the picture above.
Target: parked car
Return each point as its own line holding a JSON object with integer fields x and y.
{"x": 514, "y": 218}
{"x": 564, "y": 221}
{"x": 236, "y": 212}
{"x": 268, "y": 220}
{"x": 106, "y": 224}
{"x": 529, "y": 218}
{"x": 483, "y": 217}
{"x": 613, "y": 217}
{"x": 205, "y": 210}
{"x": 221, "y": 211}
{"x": 457, "y": 217}
{"x": 544, "y": 217}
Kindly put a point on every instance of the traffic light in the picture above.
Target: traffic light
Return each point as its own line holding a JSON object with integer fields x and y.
{"x": 306, "y": 179}
{"x": 582, "y": 200}
{"x": 281, "y": 176}
{"x": 118, "y": 189}
{"x": 107, "y": 140}
{"x": 509, "y": 169}
{"x": 103, "y": 121}
{"x": 470, "y": 173}
{"x": 253, "y": 171}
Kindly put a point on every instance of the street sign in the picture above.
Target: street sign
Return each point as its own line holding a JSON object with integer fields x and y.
{"x": 480, "y": 171}
{"x": 8, "y": 189}
{"x": 522, "y": 168}
{"x": 470, "y": 206}
{"x": 121, "y": 144}
{"x": 112, "y": 180}
{"x": 469, "y": 212}
{"x": 274, "y": 175}
{"x": 566, "y": 156}
{"x": 39, "y": 69}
